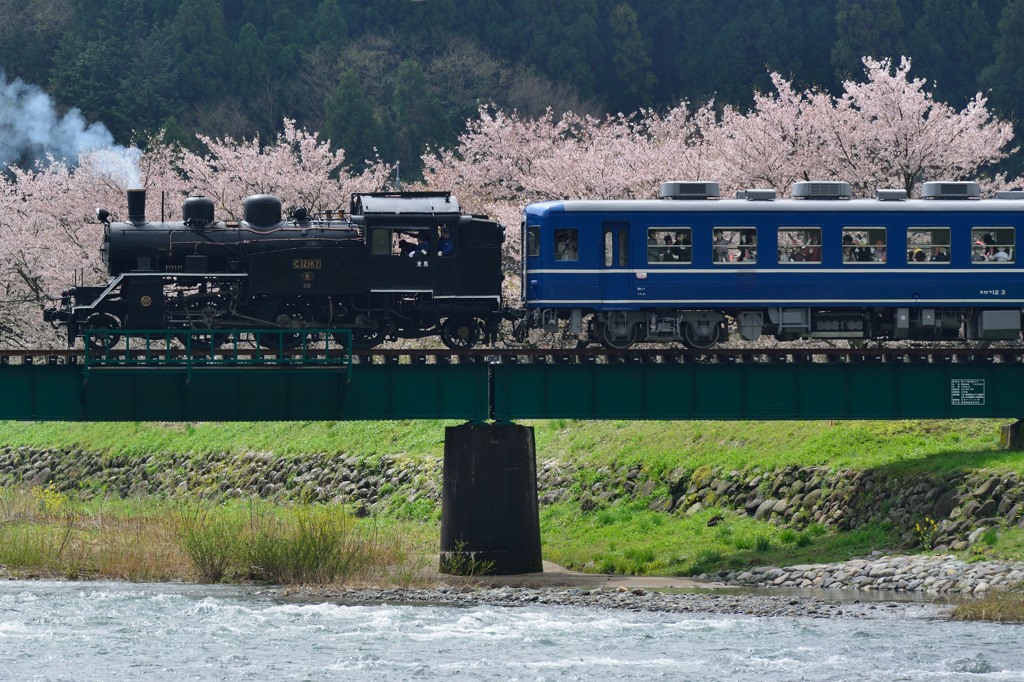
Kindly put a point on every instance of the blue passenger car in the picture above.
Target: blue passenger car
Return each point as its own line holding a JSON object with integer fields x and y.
{"x": 690, "y": 267}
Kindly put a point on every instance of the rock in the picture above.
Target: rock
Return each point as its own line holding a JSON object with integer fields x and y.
{"x": 988, "y": 509}
{"x": 945, "y": 504}
{"x": 41, "y": 477}
{"x": 988, "y": 487}
{"x": 764, "y": 509}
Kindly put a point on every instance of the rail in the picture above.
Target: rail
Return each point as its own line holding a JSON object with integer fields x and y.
{"x": 244, "y": 352}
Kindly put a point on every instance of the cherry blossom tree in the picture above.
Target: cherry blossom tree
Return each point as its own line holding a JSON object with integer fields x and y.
{"x": 505, "y": 161}
{"x": 776, "y": 143}
{"x": 886, "y": 131}
{"x": 297, "y": 167}
{"x": 50, "y": 236}
{"x": 48, "y": 239}
{"x": 889, "y": 131}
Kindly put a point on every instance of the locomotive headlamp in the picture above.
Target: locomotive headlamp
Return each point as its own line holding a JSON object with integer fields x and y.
{"x": 102, "y": 215}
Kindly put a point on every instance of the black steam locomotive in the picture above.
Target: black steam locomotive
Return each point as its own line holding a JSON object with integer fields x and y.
{"x": 400, "y": 265}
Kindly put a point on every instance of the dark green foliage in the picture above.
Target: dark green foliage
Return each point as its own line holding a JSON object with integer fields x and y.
{"x": 398, "y": 75}
{"x": 872, "y": 28}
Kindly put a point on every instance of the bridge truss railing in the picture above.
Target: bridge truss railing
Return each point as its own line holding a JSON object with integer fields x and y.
{"x": 192, "y": 348}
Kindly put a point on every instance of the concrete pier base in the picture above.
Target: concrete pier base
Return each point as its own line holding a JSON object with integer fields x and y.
{"x": 1010, "y": 436}
{"x": 489, "y": 518}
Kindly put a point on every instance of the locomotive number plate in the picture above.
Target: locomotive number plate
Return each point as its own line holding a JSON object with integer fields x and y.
{"x": 306, "y": 264}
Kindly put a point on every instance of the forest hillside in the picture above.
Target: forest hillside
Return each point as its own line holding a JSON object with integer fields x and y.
{"x": 389, "y": 77}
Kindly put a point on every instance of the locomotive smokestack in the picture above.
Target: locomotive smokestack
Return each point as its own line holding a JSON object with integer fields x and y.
{"x": 136, "y": 206}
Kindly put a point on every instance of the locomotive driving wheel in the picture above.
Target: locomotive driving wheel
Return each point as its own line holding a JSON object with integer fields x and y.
{"x": 290, "y": 318}
{"x": 364, "y": 338}
{"x": 199, "y": 318}
{"x": 460, "y": 333}
{"x": 104, "y": 324}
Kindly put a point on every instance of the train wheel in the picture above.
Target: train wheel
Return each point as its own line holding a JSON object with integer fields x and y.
{"x": 281, "y": 341}
{"x": 363, "y": 338}
{"x": 104, "y": 324}
{"x": 289, "y": 316}
{"x": 609, "y": 338}
{"x": 703, "y": 337}
{"x": 460, "y": 333}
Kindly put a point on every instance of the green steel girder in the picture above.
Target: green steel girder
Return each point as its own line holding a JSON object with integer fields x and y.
{"x": 67, "y": 393}
{"x": 758, "y": 391}
{"x": 503, "y": 392}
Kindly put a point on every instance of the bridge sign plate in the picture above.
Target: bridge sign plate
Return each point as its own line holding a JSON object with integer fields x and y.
{"x": 967, "y": 392}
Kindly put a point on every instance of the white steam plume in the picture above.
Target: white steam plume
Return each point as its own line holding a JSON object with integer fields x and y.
{"x": 31, "y": 128}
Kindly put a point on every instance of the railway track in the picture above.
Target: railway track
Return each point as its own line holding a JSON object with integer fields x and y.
{"x": 586, "y": 356}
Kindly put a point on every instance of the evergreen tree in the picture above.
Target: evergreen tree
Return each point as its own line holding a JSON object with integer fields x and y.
{"x": 202, "y": 49}
{"x": 415, "y": 114}
{"x": 631, "y": 65}
{"x": 866, "y": 28}
{"x": 351, "y": 122}
{"x": 329, "y": 26}
{"x": 951, "y": 42}
{"x": 1005, "y": 77}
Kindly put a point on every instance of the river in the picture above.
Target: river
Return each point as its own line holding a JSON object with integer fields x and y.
{"x": 104, "y": 630}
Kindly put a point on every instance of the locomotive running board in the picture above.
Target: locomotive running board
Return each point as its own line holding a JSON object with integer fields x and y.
{"x": 114, "y": 283}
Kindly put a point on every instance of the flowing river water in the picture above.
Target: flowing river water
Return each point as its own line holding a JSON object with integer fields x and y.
{"x": 103, "y": 631}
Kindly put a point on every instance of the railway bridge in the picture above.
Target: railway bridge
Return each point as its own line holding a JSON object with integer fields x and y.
{"x": 489, "y": 499}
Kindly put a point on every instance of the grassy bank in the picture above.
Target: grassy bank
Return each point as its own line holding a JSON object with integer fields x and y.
{"x": 898, "y": 445}
{"x": 45, "y": 532}
{"x": 625, "y": 537}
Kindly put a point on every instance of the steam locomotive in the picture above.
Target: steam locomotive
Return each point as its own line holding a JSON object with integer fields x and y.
{"x": 689, "y": 268}
{"x": 399, "y": 265}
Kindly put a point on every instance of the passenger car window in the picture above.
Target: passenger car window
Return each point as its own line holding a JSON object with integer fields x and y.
{"x": 993, "y": 245}
{"x": 669, "y": 245}
{"x": 928, "y": 245}
{"x": 799, "y": 244}
{"x": 864, "y": 244}
{"x": 533, "y": 240}
{"x": 566, "y": 244}
{"x": 734, "y": 245}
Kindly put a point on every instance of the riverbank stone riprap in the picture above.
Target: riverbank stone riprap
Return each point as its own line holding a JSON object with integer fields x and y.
{"x": 930, "y": 574}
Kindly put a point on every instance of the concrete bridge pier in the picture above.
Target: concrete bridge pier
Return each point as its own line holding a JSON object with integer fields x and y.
{"x": 489, "y": 518}
{"x": 1010, "y": 436}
